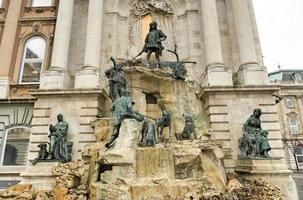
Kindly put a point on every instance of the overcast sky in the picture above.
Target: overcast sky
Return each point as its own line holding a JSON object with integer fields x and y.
{"x": 280, "y": 24}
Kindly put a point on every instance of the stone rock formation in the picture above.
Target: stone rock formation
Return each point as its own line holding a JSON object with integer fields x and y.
{"x": 68, "y": 186}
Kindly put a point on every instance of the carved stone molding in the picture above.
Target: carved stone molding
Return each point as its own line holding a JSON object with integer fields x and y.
{"x": 143, "y": 7}
{"x": 292, "y": 114}
{"x": 19, "y": 116}
{"x": 40, "y": 9}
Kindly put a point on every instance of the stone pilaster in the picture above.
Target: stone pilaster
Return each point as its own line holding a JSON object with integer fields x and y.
{"x": 8, "y": 46}
{"x": 89, "y": 75}
{"x": 4, "y": 87}
{"x": 216, "y": 73}
{"x": 57, "y": 77}
{"x": 250, "y": 72}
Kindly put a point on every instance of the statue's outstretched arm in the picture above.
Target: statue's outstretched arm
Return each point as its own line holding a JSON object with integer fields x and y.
{"x": 113, "y": 60}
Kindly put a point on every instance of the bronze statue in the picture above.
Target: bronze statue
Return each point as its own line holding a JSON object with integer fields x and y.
{"x": 153, "y": 43}
{"x": 178, "y": 67}
{"x": 59, "y": 148}
{"x": 148, "y": 138}
{"x": 117, "y": 80}
{"x": 122, "y": 109}
{"x": 58, "y": 140}
{"x": 254, "y": 142}
{"x": 188, "y": 132}
{"x": 163, "y": 122}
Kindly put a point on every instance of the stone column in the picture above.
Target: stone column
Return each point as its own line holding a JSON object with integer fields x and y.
{"x": 57, "y": 77}
{"x": 89, "y": 75}
{"x": 7, "y": 49}
{"x": 216, "y": 73}
{"x": 250, "y": 72}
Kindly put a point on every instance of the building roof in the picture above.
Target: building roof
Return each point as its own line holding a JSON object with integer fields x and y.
{"x": 286, "y": 75}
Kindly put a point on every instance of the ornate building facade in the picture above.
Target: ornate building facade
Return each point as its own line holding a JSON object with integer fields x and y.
{"x": 290, "y": 114}
{"x": 53, "y": 55}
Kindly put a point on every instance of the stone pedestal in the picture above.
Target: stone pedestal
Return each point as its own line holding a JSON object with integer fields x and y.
{"x": 88, "y": 78}
{"x": 4, "y": 87}
{"x": 261, "y": 166}
{"x": 272, "y": 170}
{"x": 155, "y": 162}
{"x": 39, "y": 175}
{"x": 55, "y": 79}
{"x": 123, "y": 150}
{"x": 217, "y": 76}
{"x": 252, "y": 75}
{"x": 118, "y": 162}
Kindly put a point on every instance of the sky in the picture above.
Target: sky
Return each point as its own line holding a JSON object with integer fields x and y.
{"x": 280, "y": 26}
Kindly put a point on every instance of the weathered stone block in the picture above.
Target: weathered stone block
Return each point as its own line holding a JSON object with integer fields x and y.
{"x": 124, "y": 148}
{"x": 154, "y": 162}
{"x": 68, "y": 181}
{"x": 60, "y": 193}
{"x": 71, "y": 168}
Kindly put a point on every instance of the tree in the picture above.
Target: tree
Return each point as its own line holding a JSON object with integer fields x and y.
{"x": 295, "y": 144}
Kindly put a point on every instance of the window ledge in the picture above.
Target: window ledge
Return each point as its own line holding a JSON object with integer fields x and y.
{"x": 11, "y": 169}
{"x": 40, "y": 9}
{"x": 25, "y": 85}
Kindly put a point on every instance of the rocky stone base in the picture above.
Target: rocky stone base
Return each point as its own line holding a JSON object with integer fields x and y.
{"x": 68, "y": 186}
{"x": 191, "y": 189}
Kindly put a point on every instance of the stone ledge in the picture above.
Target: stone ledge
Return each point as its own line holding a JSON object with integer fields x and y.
{"x": 69, "y": 92}
{"x": 228, "y": 89}
{"x": 261, "y": 166}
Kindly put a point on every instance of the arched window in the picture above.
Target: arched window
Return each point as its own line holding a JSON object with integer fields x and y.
{"x": 32, "y": 60}
{"x": 293, "y": 126}
{"x": 41, "y": 3}
{"x": 15, "y": 147}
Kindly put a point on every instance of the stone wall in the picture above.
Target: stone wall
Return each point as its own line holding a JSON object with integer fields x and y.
{"x": 228, "y": 109}
{"x": 78, "y": 111}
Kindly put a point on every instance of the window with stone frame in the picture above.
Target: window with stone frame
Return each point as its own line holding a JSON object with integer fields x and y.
{"x": 299, "y": 153}
{"x": 290, "y": 102}
{"x": 293, "y": 125}
{"x": 14, "y": 147}
{"x": 32, "y": 60}
{"x": 1, "y": 3}
{"x": 41, "y": 3}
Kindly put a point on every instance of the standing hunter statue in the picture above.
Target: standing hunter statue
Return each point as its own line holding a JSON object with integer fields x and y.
{"x": 254, "y": 142}
{"x": 153, "y": 43}
{"x": 117, "y": 80}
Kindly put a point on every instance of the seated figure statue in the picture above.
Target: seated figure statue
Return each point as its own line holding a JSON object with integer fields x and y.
{"x": 254, "y": 142}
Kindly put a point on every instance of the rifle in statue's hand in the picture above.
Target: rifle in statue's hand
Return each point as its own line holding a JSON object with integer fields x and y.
{"x": 143, "y": 50}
